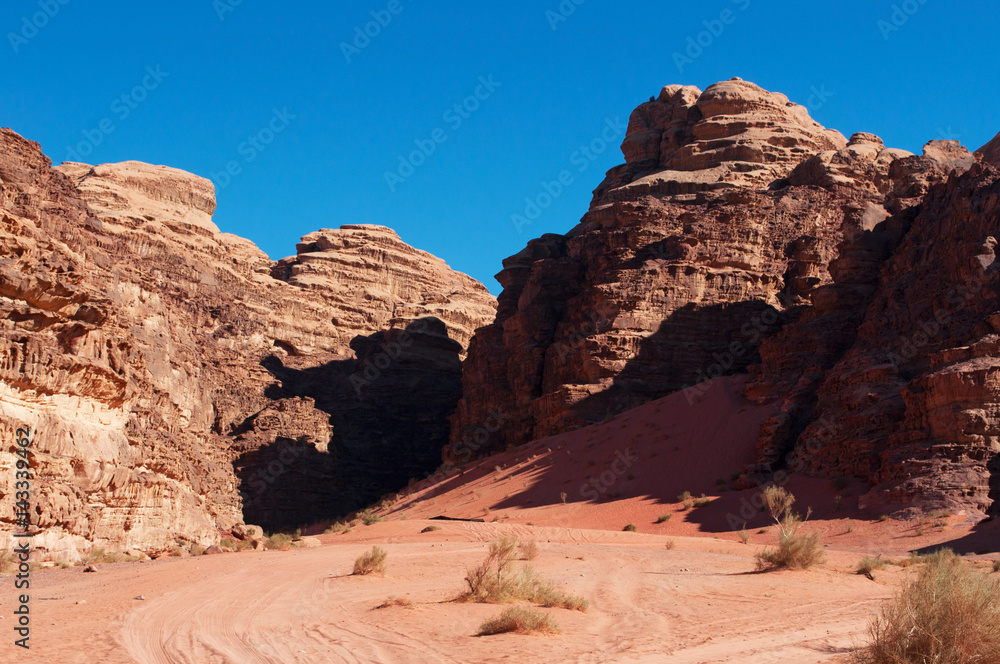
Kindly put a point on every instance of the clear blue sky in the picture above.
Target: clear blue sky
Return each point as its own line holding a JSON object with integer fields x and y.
{"x": 935, "y": 76}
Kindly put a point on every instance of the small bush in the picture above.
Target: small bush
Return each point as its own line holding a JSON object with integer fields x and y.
{"x": 430, "y": 529}
{"x": 372, "y": 562}
{"x": 869, "y": 565}
{"x": 529, "y": 550}
{"x": 629, "y": 528}
{"x": 197, "y": 549}
{"x": 688, "y": 504}
{"x": 228, "y": 542}
{"x": 519, "y": 619}
{"x": 684, "y": 497}
{"x": 996, "y": 565}
{"x": 496, "y": 581}
{"x": 702, "y": 501}
{"x": 279, "y": 542}
{"x": 392, "y": 600}
{"x": 337, "y": 527}
{"x": 795, "y": 551}
{"x": 670, "y": 544}
{"x": 744, "y": 535}
{"x": 664, "y": 517}
{"x": 368, "y": 517}
{"x": 949, "y": 614}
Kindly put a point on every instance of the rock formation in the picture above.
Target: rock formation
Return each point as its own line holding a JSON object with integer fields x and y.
{"x": 165, "y": 367}
{"x": 991, "y": 151}
{"x": 854, "y": 282}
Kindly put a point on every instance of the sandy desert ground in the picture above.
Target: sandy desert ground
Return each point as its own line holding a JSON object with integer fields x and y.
{"x": 698, "y": 602}
{"x": 680, "y": 590}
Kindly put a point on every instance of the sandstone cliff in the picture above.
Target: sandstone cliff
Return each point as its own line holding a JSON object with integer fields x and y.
{"x": 165, "y": 367}
{"x": 741, "y": 236}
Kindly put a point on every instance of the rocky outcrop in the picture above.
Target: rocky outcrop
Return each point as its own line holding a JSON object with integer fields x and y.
{"x": 690, "y": 254}
{"x": 855, "y": 283}
{"x": 146, "y": 351}
{"x": 991, "y": 151}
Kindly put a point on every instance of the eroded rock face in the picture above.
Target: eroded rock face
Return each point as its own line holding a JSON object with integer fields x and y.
{"x": 141, "y": 345}
{"x": 991, "y": 151}
{"x": 689, "y": 256}
{"x": 855, "y": 283}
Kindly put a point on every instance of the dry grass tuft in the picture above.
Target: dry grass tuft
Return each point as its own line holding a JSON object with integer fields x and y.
{"x": 949, "y": 614}
{"x": 795, "y": 550}
{"x": 372, "y": 562}
{"x": 529, "y": 550}
{"x": 392, "y": 600}
{"x": 497, "y": 581}
{"x": 519, "y": 619}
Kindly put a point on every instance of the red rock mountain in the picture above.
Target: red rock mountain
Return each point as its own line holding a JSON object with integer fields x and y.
{"x": 854, "y": 282}
{"x": 177, "y": 381}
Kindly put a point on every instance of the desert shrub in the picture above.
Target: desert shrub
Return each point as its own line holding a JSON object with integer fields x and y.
{"x": 996, "y": 565}
{"x": 702, "y": 500}
{"x": 279, "y": 542}
{"x": 529, "y": 550}
{"x": 629, "y": 528}
{"x": 8, "y": 562}
{"x": 497, "y": 581}
{"x": 795, "y": 550}
{"x": 664, "y": 517}
{"x": 228, "y": 542}
{"x": 520, "y": 619}
{"x": 337, "y": 527}
{"x": 392, "y": 600}
{"x": 371, "y": 562}
{"x": 688, "y": 504}
{"x": 869, "y": 564}
{"x": 430, "y": 529}
{"x": 368, "y": 517}
{"x": 949, "y": 614}
{"x": 99, "y": 554}
{"x": 684, "y": 497}
{"x": 670, "y": 544}
{"x": 744, "y": 534}
{"x": 197, "y": 549}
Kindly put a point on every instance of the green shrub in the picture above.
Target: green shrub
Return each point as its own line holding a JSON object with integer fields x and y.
{"x": 368, "y": 517}
{"x": 664, "y": 517}
{"x": 279, "y": 542}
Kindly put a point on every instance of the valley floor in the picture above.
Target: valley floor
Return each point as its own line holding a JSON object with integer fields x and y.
{"x": 697, "y": 602}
